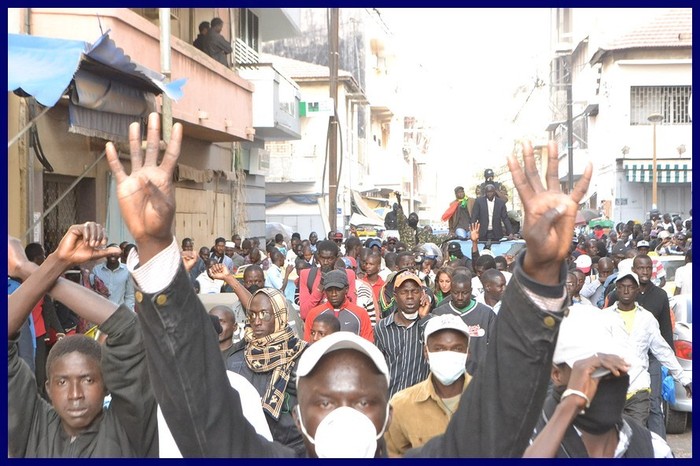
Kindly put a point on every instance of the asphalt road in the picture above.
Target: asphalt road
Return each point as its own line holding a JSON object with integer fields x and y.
{"x": 682, "y": 444}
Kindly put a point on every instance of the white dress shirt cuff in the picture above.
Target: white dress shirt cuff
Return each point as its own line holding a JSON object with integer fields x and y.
{"x": 544, "y": 302}
{"x": 156, "y": 274}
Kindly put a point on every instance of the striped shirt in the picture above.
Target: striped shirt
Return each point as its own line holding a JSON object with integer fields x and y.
{"x": 366, "y": 300}
{"x": 402, "y": 348}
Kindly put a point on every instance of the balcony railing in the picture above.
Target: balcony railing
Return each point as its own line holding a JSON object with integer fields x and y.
{"x": 244, "y": 54}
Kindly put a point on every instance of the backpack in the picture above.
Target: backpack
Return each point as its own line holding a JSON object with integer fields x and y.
{"x": 313, "y": 272}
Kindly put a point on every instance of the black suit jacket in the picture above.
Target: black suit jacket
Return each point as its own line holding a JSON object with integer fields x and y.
{"x": 500, "y": 217}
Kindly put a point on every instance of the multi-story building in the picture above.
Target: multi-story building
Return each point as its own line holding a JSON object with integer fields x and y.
{"x": 220, "y": 185}
{"x": 624, "y": 67}
{"x": 383, "y": 148}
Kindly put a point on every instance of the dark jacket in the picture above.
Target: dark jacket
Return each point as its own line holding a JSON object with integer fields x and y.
{"x": 217, "y": 47}
{"x": 199, "y": 42}
{"x": 189, "y": 376}
{"x": 500, "y": 218}
{"x": 128, "y": 427}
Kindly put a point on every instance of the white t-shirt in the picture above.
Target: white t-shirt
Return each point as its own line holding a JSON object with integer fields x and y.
{"x": 252, "y": 411}
{"x": 684, "y": 278}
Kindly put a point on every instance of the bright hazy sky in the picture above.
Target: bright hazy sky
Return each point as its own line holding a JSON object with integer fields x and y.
{"x": 471, "y": 71}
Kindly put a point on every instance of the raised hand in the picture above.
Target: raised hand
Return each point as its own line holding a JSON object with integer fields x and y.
{"x": 474, "y": 232}
{"x": 549, "y": 213}
{"x": 582, "y": 374}
{"x": 288, "y": 269}
{"x": 424, "y": 308}
{"x": 146, "y": 196}
{"x": 189, "y": 259}
{"x": 219, "y": 272}
{"x": 83, "y": 243}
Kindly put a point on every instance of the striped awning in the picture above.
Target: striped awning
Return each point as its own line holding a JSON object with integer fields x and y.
{"x": 665, "y": 172}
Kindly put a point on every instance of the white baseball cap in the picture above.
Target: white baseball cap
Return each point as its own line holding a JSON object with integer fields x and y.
{"x": 625, "y": 270}
{"x": 336, "y": 341}
{"x": 447, "y": 321}
{"x": 586, "y": 331}
{"x": 583, "y": 263}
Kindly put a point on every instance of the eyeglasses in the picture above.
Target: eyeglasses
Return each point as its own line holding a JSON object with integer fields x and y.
{"x": 264, "y": 315}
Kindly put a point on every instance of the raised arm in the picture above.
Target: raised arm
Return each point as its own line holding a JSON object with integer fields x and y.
{"x": 499, "y": 410}
{"x": 221, "y": 272}
{"x": 584, "y": 385}
{"x": 184, "y": 360}
{"x": 81, "y": 243}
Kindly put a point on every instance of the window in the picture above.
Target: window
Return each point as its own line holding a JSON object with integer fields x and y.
{"x": 248, "y": 28}
{"x": 669, "y": 101}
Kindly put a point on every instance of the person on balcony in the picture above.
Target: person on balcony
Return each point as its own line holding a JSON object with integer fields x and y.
{"x": 214, "y": 43}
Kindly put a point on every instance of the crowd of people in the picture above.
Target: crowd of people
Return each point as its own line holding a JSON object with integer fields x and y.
{"x": 415, "y": 348}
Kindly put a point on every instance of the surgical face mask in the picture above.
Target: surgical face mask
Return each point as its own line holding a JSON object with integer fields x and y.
{"x": 447, "y": 366}
{"x": 331, "y": 439}
{"x": 412, "y": 316}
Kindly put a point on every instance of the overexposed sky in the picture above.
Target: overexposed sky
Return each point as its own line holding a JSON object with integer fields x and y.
{"x": 469, "y": 72}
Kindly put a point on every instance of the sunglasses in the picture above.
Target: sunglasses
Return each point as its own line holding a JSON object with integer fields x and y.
{"x": 265, "y": 316}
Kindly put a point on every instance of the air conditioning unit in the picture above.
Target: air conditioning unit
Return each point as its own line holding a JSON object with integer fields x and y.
{"x": 259, "y": 162}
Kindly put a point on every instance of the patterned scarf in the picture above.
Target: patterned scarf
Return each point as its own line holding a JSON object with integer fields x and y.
{"x": 276, "y": 352}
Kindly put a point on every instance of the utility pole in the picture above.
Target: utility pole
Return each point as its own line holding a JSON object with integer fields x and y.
{"x": 333, "y": 122}
{"x": 164, "y": 19}
{"x": 569, "y": 119}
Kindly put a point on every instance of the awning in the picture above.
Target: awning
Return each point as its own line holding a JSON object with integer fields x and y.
{"x": 108, "y": 91}
{"x": 359, "y": 219}
{"x": 44, "y": 67}
{"x": 360, "y": 206}
{"x": 642, "y": 172}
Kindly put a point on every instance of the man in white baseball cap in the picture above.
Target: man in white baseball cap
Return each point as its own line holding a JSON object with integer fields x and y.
{"x": 334, "y": 372}
{"x": 422, "y": 411}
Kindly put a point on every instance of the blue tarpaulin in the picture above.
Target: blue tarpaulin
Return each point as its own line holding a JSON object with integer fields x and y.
{"x": 44, "y": 67}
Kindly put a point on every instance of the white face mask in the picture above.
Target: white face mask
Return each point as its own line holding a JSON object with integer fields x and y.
{"x": 331, "y": 439}
{"x": 447, "y": 366}
{"x": 412, "y": 316}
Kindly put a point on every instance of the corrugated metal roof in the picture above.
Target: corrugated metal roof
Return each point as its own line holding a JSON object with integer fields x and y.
{"x": 297, "y": 69}
{"x": 44, "y": 67}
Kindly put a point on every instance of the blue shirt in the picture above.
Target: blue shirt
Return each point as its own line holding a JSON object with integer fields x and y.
{"x": 118, "y": 281}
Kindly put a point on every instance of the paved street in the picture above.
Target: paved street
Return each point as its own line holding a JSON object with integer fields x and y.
{"x": 682, "y": 444}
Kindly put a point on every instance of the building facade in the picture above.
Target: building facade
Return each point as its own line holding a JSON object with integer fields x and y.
{"x": 220, "y": 185}
{"x": 624, "y": 66}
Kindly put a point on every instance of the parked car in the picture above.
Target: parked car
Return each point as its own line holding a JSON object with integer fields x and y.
{"x": 677, "y": 412}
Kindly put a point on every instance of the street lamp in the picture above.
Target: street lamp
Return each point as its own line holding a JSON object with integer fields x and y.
{"x": 654, "y": 118}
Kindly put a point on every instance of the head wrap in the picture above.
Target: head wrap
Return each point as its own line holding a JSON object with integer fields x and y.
{"x": 276, "y": 352}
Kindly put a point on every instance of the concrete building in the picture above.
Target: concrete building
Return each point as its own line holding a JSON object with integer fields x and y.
{"x": 383, "y": 144}
{"x": 625, "y": 65}
{"x": 220, "y": 185}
